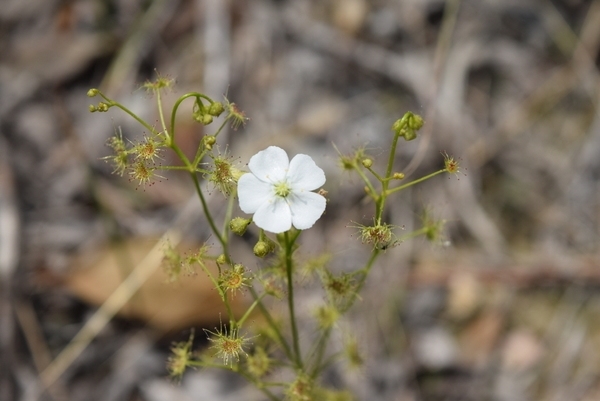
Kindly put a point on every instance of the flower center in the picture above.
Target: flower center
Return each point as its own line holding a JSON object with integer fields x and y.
{"x": 282, "y": 189}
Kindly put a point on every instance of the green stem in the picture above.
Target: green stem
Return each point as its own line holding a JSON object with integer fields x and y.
{"x": 385, "y": 183}
{"x": 249, "y": 311}
{"x": 228, "y": 214}
{"x": 176, "y": 106}
{"x": 160, "y": 112}
{"x": 182, "y": 157}
{"x": 416, "y": 233}
{"x": 201, "y": 151}
{"x": 319, "y": 351}
{"x": 367, "y": 182}
{"x": 186, "y": 168}
{"x": 288, "y": 267}
{"x": 132, "y": 114}
{"x": 365, "y": 272}
{"x": 379, "y": 178}
{"x": 272, "y": 324}
{"x": 401, "y": 187}
{"x": 207, "y": 214}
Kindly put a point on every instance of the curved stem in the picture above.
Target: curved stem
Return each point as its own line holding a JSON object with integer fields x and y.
{"x": 176, "y": 106}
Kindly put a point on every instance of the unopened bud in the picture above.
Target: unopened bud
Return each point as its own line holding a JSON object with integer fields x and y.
{"x": 261, "y": 249}
{"x": 408, "y": 125}
{"x": 209, "y": 140}
{"x": 92, "y": 108}
{"x": 367, "y": 163}
{"x": 215, "y": 109}
{"x": 222, "y": 259}
{"x": 207, "y": 119}
{"x": 93, "y": 92}
{"x": 398, "y": 176}
{"x": 239, "y": 225}
{"x": 415, "y": 121}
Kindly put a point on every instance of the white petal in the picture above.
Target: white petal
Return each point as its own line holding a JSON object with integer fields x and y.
{"x": 253, "y": 193}
{"x": 304, "y": 174}
{"x": 270, "y": 165}
{"x": 306, "y": 209}
{"x": 274, "y": 217}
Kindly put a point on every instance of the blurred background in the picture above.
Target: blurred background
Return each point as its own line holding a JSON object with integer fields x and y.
{"x": 505, "y": 307}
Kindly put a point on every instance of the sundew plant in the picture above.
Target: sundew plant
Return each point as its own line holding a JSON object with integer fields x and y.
{"x": 280, "y": 197}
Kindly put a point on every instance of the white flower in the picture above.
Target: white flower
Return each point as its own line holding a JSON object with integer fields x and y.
{"x": 278, "y": 191}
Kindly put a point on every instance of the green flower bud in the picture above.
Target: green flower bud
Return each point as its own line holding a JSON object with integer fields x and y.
{"x": 222, "y": 259}
{"x": 415, "y": 122}
{"x": 92, "y": 108}
{"x": 367, "y": 163}
{"x": 408, "y": 125}
{"x": 207, "y": 119}
{"x": 239, "y": 225}
{"x": 93, "y": 92}
{"x": 215, "y": 109}
{"x": 209, "y": 140}
{"x": 398, "y": 176}
{"x": 409, "y": 134}
{"x": 261, "y": 249}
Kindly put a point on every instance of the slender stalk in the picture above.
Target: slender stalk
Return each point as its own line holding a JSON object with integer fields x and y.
{"x": 361, "y": 282}
{"x": 367, "y": 182}
{"x": 207, "y": 214}
{"x": 288, "y": 267}
{"x": 249, "y": 311}
{"x": 319, "y": 351}
{"x": 160, "y": 111}
{"x": 176, "y": 106}
{"x": 132, "y": 114}
{"x": 282, "y": 341}
{"x": 228, "y": 214}
{"x": 401, "y": 187}
{"x": 385, "y": 183}
{"x": 186, "y": 168}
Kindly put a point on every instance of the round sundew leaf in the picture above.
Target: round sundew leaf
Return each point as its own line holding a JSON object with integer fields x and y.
{"x": 306, "y": 208}
{"x": 274, "y": 216}
{"x": 304, "y": 174}
{"x": 269, "y": 165}
{"x": 253, "y": 193}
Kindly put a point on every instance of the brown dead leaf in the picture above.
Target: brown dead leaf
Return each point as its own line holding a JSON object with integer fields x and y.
{"x": 479, "y": 338}
{"x": 191, "y": 301}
